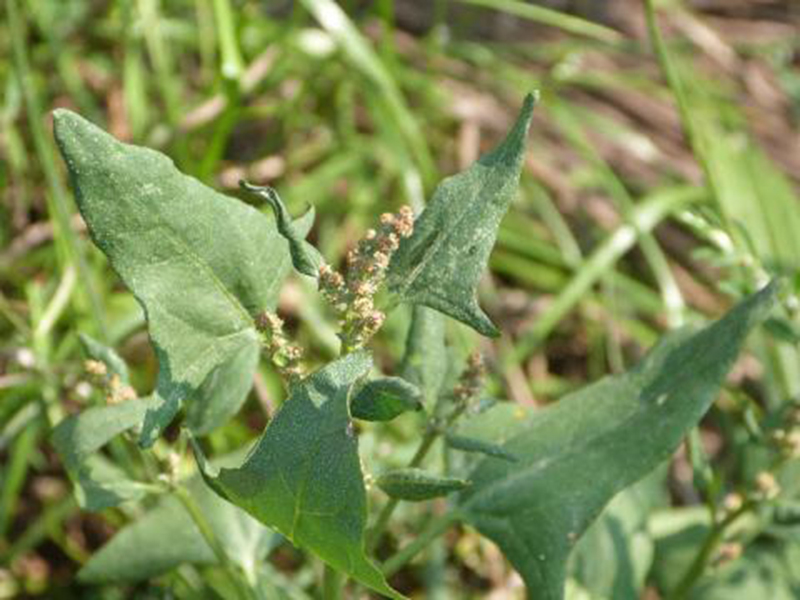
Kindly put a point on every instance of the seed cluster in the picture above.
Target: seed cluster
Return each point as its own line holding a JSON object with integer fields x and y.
{"x": 286, "y": 357}
{"x": 116, "y": 391}
{"x": 352, "y": 296}
{"x": 471, "y": 382}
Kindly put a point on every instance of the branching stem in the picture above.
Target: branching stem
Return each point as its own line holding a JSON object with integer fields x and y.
{"x": 701, "y": 559}
{"x": 242, "y": 588}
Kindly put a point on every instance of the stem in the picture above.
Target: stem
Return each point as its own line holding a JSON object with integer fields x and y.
{"x": 241, "y": 587}
{"x": 698, "y": 566}
{"x": 434, "y": 529}
{"x": 332, "y": 583}
{"x": 431, "y": 434}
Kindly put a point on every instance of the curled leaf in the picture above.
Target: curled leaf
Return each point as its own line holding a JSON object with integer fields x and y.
{"x": 305, "y": 258}
{"x": 107, "y": 355}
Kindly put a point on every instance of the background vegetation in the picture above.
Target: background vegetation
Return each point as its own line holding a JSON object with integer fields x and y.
{"x": 660, "y": 187}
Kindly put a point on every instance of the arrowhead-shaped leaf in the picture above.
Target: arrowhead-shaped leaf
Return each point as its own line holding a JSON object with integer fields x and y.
{"x": 166, "y": 537}
{"x": 577, "y": 454}
{"x": 201, "y": 264}
{"x": 385, "y": 398}
{"x": 441, "y": 263}
{"x": 417, "y": 485}
{"x": 304, "y": 476}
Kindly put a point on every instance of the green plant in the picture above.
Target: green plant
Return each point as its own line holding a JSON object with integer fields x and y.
{"x": 207, "y": 270}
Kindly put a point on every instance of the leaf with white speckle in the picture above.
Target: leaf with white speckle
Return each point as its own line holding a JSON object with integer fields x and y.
{"x": 304, "y": 476}
{"x": 441, "y": 263}
{"x": 575, "y": 455}
{"x": 201, "y": 264}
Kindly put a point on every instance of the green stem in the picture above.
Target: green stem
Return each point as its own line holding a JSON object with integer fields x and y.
{"x": 431, "y": 434}
{"x": 433, "y": 530}
{"x": 240, "y": 585}
{"x": 382, "y": 522}
{"x": 332, "y": 583}
{"x": 698, "y": 566}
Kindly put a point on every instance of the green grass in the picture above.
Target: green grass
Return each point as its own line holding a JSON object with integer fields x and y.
{"x": 605, "y": 247}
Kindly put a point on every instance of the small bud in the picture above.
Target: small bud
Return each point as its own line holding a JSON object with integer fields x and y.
{"x": 268, "y": 323}
{"x": 83, "y": 389}
{"x": 363, "y": 306}
{"x": 285, "y": 357}
{"x": 767, "y": 485}
{"x": 733, "y": 502}
{"x": 404, "y": 225}
{"x": 95, "y": 367}
{"x": 728, "y": 552}
{"x": 126, "y": 393}
{"x": 381, "y": 260}
{"x": 25, "y": 358}
{"x": 173, "y": 464}
{"x": 471, "y": 381}
{"x": 376, "y": 319}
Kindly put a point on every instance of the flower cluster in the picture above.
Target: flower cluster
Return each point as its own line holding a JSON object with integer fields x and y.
{"x": 116, "y": 391}
{"x": 286, "y": 357}
{"x": 352, "y": 295}
{"x": 471, "y": 382}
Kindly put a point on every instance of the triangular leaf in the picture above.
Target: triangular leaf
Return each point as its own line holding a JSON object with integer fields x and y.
{"x": 384, "y": 399}
{"x": 574, "y": 456}
{"x": 441, "y": 264}
{"x": 201, "y": 264}
{"x": 98, "y": 484}
{"x": 304, "y": 476}
{"x": 166, "y": 537}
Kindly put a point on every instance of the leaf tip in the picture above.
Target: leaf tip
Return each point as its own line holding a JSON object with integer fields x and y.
{"x": 532, "y": 98}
